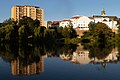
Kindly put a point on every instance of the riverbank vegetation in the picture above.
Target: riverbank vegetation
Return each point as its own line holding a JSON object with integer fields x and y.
{"x": 28, "y": 30}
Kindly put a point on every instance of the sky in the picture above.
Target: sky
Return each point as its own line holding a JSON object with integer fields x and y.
{"x": 63, "y": 9}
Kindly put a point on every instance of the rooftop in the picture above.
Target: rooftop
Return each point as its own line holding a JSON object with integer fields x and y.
{"x": 26, "y": 6}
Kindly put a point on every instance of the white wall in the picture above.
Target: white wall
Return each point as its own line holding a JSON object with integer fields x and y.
{"x": 64, "y": 23}
{"x": 111, "y": 24}
{"x": 83, "y": 22}
{"x": 74, "y": 22}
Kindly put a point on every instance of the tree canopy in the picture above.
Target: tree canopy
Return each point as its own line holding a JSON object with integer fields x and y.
{"x": 29, "y": 30}
{"x": 99, "y": 32}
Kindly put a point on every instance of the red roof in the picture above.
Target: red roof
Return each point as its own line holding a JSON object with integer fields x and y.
{"x": 55, "y": 22}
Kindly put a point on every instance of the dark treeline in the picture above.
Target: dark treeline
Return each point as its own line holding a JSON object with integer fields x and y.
{"x": 28, "y": 30}
{"x": 29, "y": 53}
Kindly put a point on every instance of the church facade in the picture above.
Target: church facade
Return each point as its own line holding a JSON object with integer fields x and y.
{"x": 110, "y": 21}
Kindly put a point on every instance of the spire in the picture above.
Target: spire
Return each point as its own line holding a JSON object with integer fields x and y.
{"x": 103, "y": 12}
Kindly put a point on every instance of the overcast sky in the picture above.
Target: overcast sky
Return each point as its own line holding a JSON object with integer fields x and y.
{"x": 63, "y": 9}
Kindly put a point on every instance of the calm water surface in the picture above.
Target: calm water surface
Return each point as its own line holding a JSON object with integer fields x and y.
{"x": 75, "y": 64}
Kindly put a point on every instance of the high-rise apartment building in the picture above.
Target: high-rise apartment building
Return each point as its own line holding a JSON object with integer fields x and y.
{"x": 33, "y": 12}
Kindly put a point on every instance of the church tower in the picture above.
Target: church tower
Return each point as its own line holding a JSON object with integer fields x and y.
{"x": 103, "y": 12}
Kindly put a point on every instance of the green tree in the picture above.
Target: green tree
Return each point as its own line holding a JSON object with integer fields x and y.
{"x": 28, "y": 23}
{"x": 36, "y": 23}
{"x": 66, "y": 32}
{"x": 8, "y": 22}
{"x": 102, "y": 32}
{"x": 9, "y": 30}
{"x": 39, "y": 33}
{"x": 99, "y": 32}
{"x": 22, "y": 33}
{"x": 69, "y": 32}
{"x": 26, "y": 28}
{"x": 6, "y": 31}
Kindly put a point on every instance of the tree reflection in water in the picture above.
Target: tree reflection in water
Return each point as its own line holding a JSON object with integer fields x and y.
{"x": 28, "y": 59}
{"x": 24, "y": 59}
{"x": 103, "y": 54}
{"x": 100, "y": 52}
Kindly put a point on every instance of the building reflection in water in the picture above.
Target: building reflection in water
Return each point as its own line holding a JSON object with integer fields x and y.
{"x": 34, "y": 68}
{"x": 81, "y": 56}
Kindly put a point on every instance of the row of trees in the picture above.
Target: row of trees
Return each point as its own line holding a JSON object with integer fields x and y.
{"x": 28, "y": 30}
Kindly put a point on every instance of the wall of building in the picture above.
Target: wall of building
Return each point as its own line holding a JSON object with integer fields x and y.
{"x": 80, "y": 22}
{"x": 64, "y": 23}
{"x": 110, "y": 23}
{"x": 83, "y": 22}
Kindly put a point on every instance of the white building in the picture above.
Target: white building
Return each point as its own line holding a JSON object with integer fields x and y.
{"x": 80, "y": 22}
{"x": 83, "y": 22}
{"x": 74, "y": 21}
{"x": 110, "y": 21}
{"x": 64, "y": 23}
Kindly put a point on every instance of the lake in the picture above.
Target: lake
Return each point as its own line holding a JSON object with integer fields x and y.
{"x": 66, "y": 62}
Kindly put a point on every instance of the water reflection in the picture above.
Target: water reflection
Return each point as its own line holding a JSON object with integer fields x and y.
{"x": 111, "y": 57}
{"x": 94, "y": 55}
{"x": 24, "y": 60}
{"x": 79, "y": 56}
{"x": 18, "y": 67}
{"x": 29, "y": 59}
